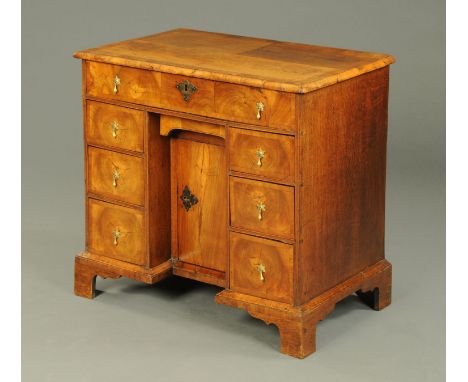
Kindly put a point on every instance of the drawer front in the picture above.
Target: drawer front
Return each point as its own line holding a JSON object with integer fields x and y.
{"x": 261, "y": 267}
{"x": 191, "y": 95}
{"x": 232, "y": 102}
{"x": 264, "y": 154}
{"x": 255, "y": 106}
{"x": 116, "y": 176}
{"x": 116, "y": 232}
{"x": 262, "y": 207}
{"x": 115, "y": 126}
{"x": 122, "y": 83}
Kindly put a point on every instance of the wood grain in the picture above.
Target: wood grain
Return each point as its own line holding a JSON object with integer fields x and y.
{"x": 158, "y": 193}
{"x": 247, "y": 253}
{"x": 278, "y": 151}
{"x": 137, "y": 86}
{"x": 103, "y": 219}
{"x": 88, "y": 266}
{"x": 342, "y": 211}
{"x": 297, "y": 324}
{"x": 239, "y": 103}
{"x": 199, "y": 273}
{"x": 278, "y": 217}
{"x": 320, "y": 185}
{"x": 201, "y": 102}
{"x": 171, "y": 123}
{"x": 101, "y": 130}
{"x": 129, "y": 172}
{"x": 283, "y": 66}
{"x": 218, "y": 100}
{"x": 200, "y": 232}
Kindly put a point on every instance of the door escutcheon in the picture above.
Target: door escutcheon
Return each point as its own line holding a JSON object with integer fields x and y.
{"x": 188, "y": 199}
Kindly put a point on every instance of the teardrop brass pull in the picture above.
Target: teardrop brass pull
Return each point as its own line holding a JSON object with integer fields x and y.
{"x": 261, "y": 270}
{"x": 260, "y": 108}
{"x": 115, "y": 129}
{"x": 116, "y": 234}
{"x": 115, "y": 176}
{"x": 260, "y": 155}
{"x": 261, "y": 208}
{"x": 116, "y": 84}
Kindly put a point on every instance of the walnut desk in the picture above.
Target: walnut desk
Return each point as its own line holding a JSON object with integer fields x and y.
{"x": 254, "y": 165}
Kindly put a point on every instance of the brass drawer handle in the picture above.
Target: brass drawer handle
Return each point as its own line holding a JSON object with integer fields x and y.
{"x": 115, "y": 176}
{"x": 116, "y": 84}
{"x": 116, "y": 234}
{"x": 261, "y": 270}
{"x": 261, "y": 208}
{"x": 186, "y": 89}
{"x": 260, "y": 155}
{"x": 260, "y": 108}
{"x": 115, "y": 129}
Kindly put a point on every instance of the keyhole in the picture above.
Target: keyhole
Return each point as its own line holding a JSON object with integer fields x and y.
{"x": 186, "y": 87}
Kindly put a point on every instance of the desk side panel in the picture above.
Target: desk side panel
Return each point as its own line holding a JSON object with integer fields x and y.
{"x": 343, "y": 138}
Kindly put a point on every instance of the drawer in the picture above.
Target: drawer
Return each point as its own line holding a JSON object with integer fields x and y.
{"x": 228, "y": 101}
{"x": 263, "y": 154}
{"x": 255, "y": 106}
{"x": 115, "y": 126}
{"x": 262, "y": 207}
{"x": 116, "y": 232}
{"x": 222, "y": 100}
{"x": 122, "y": 83}
{"x": 116, "y": 176}
{"x": 187, "y": 94}
{"x": 261, "y": 267}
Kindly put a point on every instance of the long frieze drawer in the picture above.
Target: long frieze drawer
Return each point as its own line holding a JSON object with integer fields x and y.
{"x": 263, "y": 154}
{"x": 262, "y": 207}
{"x": 122, "y": 83}
{"x": 116, "y": 232}
{"x": 115, "y": 126}
{"x": 261, "y": 267}
{"x": 232, "y": 102}
{"x": 228, "y": 101}
{"x": 116, "y": 176}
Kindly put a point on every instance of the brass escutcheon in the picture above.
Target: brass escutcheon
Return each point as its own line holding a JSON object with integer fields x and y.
{"x": 188, "y": 199}
{"x": 186, "y": 89}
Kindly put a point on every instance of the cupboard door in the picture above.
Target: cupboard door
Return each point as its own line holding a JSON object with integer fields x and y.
{"x": 200, "y": 187}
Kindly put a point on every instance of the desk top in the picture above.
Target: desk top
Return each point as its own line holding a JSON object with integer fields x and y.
{"x": 269, "y": 64}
